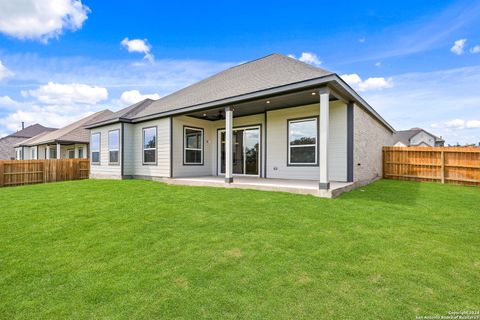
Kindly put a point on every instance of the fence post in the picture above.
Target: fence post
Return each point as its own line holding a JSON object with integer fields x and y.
{"x": 2, "y": 170}
{"x": 383, "y": 162}
{"x": 442, "y": 159}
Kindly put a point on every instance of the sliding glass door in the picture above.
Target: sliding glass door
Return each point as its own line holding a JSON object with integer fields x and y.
{"x": 246, "y": 151}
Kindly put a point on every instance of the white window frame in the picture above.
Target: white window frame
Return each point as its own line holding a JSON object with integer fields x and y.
{"x": 289, "y": 146}
{"x": 78, "y": 152}
{"x": 33, "y": 153}
{"x": 52, "y": 150}
{"x": 145, "y": 149}
{"x": 92, "y": 151}
{"x": 193, "y": 149}
{"x": 118, "y": 149}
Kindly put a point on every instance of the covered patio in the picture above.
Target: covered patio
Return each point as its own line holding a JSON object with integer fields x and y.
{"x": 283, "y": 185}
{"x": 250, "y": 144}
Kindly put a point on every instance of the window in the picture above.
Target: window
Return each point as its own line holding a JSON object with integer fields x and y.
{"x": 192, "y": 146}
{"x": 150, "y": 145}
{"x": 302, "y": 142}
{"x": 113, "y": 146}
{"x": 80, "y": 152}
{"x": 71, "y": 153}
{"x": 95, "y": 147}
{"x": 53, "y": 153}
{"x": 33, "y": 153}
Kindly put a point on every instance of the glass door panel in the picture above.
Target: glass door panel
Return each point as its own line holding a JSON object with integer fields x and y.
{"x": 252, "y": 141}
{"x": 238, "y": 158}
{"x": 246, "y": 146}
{"x": 222, "y": 152}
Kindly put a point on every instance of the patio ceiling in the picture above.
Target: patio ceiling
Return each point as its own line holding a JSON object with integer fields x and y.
{"x": 289, "y": 100}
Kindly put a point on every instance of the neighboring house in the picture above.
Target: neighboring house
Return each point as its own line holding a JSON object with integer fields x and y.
{"x": 274, "y": 117}
{"x": 67, "y": 142}
{"x": 417, "y": 137}
{"x": 7, "y": 144}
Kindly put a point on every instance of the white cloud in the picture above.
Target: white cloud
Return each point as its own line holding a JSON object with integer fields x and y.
{"x": 374, "y": 83}
{"x": 45, "y": 116}
{"x": 459, "y": 46}
{"x": 458, "y": 124}
{"x": 352, "y": 79}
{"x": 7, "y": 102}
{"x": 134, "y": 96}
{"x": 4, "y": 72}
{"x": 117, "y": 76}
{"x": 378, "y": 64}
{"x": 475, "y": 49}
{"x": 422, "y": 98}
{"x": 56, "y": 93}
{"x": 308, "y": 57}
{"x": 362, "y": 40}
{"x": 41, "y": 19}
{"x": 138, "y": 45}
{"x": 473, "y": 124}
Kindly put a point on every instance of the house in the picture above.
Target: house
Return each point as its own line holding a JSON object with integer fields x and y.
{"x": 274, "y": 122}
{"x": 7, "y": 144}
{"x": 67, "y": 142}
{"x": 417, "y": 137}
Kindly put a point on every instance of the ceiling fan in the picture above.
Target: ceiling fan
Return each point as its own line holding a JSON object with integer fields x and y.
{"x": 219, "y": 116}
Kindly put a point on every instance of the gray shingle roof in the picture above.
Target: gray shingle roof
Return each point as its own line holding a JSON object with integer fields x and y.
{"x": 7, "y": 144}
{"x": 272, "y": 71}
{"x": 31, "y": 131}
{"x": 74, "y": 132}
{"x": 128, "y": 112}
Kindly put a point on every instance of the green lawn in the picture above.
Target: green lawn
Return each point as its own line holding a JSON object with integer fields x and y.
{"x": 141, "y": 249}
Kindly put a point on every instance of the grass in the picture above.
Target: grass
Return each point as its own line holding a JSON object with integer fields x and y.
{"x": 142, "y": 249}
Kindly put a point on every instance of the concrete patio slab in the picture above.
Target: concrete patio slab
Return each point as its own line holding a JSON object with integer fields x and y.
{"x": 282, "y": 185}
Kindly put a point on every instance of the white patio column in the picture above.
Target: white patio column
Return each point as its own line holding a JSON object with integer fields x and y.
{"x": 47, "y": 156}
{"x": 76, "y": 152}
{"x": 59, "y": 156}
{"x": 228, "y": 144}
{"x": 323, "y": 137}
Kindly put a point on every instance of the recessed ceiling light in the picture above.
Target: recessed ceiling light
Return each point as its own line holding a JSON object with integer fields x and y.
{"x": 204, "y": 114}
{"x": 314, "y": 93}
{"x": 268, "y": 101}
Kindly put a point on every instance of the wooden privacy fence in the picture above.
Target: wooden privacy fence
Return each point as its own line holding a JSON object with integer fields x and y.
{"x": 439, "y": 164}
{"x": 20, "y": 172}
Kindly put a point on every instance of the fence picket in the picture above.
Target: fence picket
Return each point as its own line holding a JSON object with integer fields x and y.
{"x": 20, "y": 172}
{"x": 441, "y": 164}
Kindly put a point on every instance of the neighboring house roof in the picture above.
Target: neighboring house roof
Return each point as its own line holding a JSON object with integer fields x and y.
{"x": 7, "y": 144}
{"x": 404, "y": 136}
{"x": 31, "y": 131}
{"x": 73, "y": 133}
{"x": 245, "y": 81}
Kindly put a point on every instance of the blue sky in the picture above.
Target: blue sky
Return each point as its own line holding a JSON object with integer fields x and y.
{"x": 416, "y": 62}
